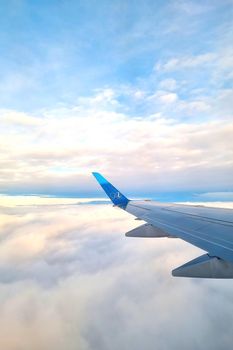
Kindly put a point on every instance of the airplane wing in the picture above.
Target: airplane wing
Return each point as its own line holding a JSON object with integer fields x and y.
{"x": 210, "y": 229}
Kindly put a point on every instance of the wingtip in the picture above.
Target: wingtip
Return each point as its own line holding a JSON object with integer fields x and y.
{"x": 99, "y": 177}
{"x": 95, "y": 173}
{"x": 116, "y": 196}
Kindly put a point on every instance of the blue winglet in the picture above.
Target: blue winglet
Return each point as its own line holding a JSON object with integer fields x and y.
{"x": 116, "y": 196}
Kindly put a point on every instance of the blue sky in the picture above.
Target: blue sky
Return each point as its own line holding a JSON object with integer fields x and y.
{"x": 58, "y": 50}
{"x": 128, "y": 88}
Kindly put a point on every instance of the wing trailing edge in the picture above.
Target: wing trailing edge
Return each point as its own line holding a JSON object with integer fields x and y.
{"x": 205, "y": 266}
{"x": 147, "y": 231}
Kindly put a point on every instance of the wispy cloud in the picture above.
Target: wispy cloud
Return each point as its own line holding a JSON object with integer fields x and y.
{"x": 186, "y": 62}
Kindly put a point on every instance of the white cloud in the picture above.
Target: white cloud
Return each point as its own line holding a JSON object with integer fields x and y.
{"x": 98, "y": 289}
{"x": 193, "y": 107}
{"x": 168, "y": 97}
{"x": 179, "y": 63}
{"x": 67, "y": 143}
{"x": 163, "y": 97}
{"x": 138, "y": 94}
{"x": 168, "y": 84}
{"x": 217, "y": 65}
{"x": 19, "y": 118}
{"x": 223, "y": 104}
{"x": 103, "y": 97}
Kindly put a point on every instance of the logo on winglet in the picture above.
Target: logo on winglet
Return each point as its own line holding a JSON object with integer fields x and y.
{"x": 116, "y": 195}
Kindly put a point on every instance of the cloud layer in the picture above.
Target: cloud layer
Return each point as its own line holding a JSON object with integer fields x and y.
{"x": 57, "y": 150}
{"x": 71, "y": 279}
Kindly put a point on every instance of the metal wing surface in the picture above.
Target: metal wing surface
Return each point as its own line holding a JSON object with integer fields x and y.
{"x": 210, "y": 229}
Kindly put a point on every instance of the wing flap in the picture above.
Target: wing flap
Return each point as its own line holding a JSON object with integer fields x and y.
{"x": 205, "y": 266}
{"x": 147, "y": 231}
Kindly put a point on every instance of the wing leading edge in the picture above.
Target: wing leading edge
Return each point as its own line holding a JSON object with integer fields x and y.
{"x": 210, "y": 229}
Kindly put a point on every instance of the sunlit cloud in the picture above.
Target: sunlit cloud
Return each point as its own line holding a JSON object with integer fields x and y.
{"x": 70, "y": 266}
{"x": 59, "y": 148}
